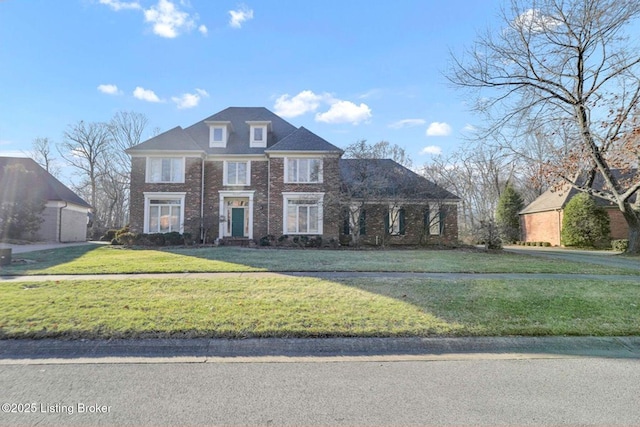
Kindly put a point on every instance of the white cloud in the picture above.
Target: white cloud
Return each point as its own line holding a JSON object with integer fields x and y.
{"x": 407, "y": 123}
{"x": 146, "y": 95}
{"x": 535, "y": 21}
{"x": 118, "y": 5}
{"x": 190, "y": 100}
{"x": 438, "y": 129}
{"x": 469, "y": 128}
{"x": 304, "y": 102}
{"x": 203, "y": 30}
{"x": 168, "y": 21}
{"x": 432, "y": 149}
{"x": 239, "y": 16}
{"x": 307, "y": 101}
{"x": 345, "y": 112}
{"x": 109, "y": 89}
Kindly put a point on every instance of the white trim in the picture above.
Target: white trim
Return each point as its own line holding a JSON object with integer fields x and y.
{"x": 319, "y": 197}
{"x": 147, "y": 173}
{"x": 223, "y": 194}
{"x": 287, "y": 179}
{"x": 66, "y": 205}
{"x": 225, "y": 173}
{"x": 167, "y": 153}
{"x": 253, "y": 143}
{"x": 225, "y": 126}
{"x": 163, "y": 195}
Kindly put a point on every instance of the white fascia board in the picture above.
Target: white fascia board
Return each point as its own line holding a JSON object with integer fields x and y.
{"x": 168, "y": 153}
{"x": 236, "y": 157}
{"x": 302, "y": 154}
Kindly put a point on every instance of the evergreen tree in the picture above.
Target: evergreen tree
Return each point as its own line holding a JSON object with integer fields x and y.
{"x": 507, "y": 218}
{"x": 21, "y": 203}
{"x": 585, "y": 224}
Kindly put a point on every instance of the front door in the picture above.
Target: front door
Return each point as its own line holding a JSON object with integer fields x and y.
{"x": 237, "y": 222}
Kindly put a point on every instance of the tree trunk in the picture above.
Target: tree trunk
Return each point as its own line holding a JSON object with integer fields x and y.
{"x": 633, "y": 222}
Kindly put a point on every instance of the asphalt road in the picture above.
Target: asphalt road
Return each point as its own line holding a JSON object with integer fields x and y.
{"x": 477, "y": 391}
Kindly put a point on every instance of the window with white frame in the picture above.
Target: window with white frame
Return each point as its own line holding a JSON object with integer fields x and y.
{"x": 258, "y": 136}
{"x": 396, "y": 220}
{"x": 217, "y": 136}
{"x": 237, "y": 173}
{"x": 433, "y": 219}
{"x": 304, "y": 171}
{"x": 303, "y": 214}
{"x": 164, "y": 213}
{"x": 165, "y": 169}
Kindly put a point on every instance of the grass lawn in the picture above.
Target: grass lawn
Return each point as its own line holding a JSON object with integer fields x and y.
{"x": 108, "y": 259}
{"x": 304, "y": 307}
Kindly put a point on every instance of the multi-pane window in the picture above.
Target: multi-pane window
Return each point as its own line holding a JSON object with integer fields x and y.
{"x": 304, "y": 170}
{"x": 303, "y": 216}
{"x": 164, "y": 215}
{"x": 165, "y": 169}
{"x": 237, "y": 173}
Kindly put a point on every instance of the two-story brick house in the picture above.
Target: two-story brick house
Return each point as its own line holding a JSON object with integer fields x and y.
{"x": 243, "y": 173}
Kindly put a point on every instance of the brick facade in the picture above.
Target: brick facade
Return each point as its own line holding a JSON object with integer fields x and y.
{"x": 213, "y": 209}
{"x": 547, "y": 226}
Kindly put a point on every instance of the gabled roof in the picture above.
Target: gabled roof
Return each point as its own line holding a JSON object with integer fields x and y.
{"x": 304, "y": 140}
{"x": 281, "y": 135}
{"x": 388, "y": 178}
{"x": 556, "y": 199}
{"x": 53, "y": 189}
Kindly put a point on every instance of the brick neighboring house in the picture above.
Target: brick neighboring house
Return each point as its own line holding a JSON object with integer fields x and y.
{"x": 245, "y": 173}
{"x": 541, "y": 220}
{"x": 65, "y": 214}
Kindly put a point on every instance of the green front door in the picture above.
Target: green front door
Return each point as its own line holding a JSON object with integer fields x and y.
{"x": 237, "y": 222}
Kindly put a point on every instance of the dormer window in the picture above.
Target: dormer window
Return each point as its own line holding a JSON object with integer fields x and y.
{"x": 258, "y": 134}
{"x": 218, "y": 134}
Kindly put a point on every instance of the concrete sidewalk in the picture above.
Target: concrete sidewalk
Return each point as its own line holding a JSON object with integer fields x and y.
{"x": 327, "y": 349}
{"x": 42, "y": 246}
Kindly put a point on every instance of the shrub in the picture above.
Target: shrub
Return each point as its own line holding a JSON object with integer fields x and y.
{"x": 267, "y": 240}
{"x": 108, "y": 236}
{"x": 620, "y": 245}
{"x": 128, "y": 239}
{"x": 507, "y": 218}
{"x": 585, "y": 224}
{"x": 155, "y": 239}
{"x": 173, "y": 239}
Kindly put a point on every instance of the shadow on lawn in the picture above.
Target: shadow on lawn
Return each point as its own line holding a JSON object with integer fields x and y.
{"x": 27, "y": 261}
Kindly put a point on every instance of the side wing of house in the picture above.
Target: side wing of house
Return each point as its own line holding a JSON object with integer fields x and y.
{"x": 386, "y": 203}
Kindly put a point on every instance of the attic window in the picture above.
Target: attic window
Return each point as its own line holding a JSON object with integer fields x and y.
{"x": 218, "y": 136}
{"x": 218, "y": 133}
{"x": 258, "y": 134}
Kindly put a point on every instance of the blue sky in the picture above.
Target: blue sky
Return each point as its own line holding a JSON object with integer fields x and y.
{"x": 346, "y": 70}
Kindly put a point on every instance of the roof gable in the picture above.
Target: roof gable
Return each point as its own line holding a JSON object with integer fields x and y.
{"x": 53, "y": 189}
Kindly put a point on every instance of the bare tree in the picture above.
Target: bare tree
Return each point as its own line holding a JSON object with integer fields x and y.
{"x": 41, "y": 153}
{"x": 566, "y": 69}
{"x": 380, "y": 150}
{"x": 84, "y": 148}
{"x": 477, "y": 174}
{"x": 126, "y": 129}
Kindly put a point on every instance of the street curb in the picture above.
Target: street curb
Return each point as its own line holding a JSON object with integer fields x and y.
{"x": 204, "y": 349}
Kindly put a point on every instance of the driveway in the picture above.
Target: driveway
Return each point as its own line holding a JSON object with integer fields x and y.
{"x": 41, "y": 246}
{"x": 606, "y": 258}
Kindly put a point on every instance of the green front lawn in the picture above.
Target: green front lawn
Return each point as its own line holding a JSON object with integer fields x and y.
{"x": 108, "y": 259}
{"x": 304, "y": 307}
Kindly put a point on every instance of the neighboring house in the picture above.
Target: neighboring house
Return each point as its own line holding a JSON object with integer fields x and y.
{"x": 65, "y": 214}
{"x": 245, "y": 173}
{"x": 541, "y": 220}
